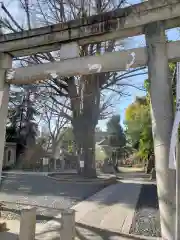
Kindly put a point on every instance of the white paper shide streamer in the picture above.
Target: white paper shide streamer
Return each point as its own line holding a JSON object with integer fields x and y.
{"x": 128, "y": 65}
{"x": 96, "y": 67}
{"x": 174, "y": 135}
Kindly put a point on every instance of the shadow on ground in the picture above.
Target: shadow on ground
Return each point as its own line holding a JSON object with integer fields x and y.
{"x": 84, "y": 232}
{"x": 42, "y": 190}
{"x": 42, "y": 185}
{"x": 8, "y": 236}
{"x": 45, "y": 190}
{"x": 39, "y": 217}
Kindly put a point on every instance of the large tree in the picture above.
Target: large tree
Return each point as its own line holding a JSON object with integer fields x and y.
{"x": 84, "y": 93}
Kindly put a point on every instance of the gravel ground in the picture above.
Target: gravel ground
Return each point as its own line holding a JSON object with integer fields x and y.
{"x": 49, "y": 195}
{"x": 146, "y": 220}
{"x": 13, "y": 211}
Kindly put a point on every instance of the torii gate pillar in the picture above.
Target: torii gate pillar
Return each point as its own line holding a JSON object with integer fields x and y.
{"x": 162, "y": 121}
{"x": 5, "y": 63}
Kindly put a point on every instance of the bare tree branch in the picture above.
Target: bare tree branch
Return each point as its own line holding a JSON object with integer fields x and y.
{"x": 11, "y": 17}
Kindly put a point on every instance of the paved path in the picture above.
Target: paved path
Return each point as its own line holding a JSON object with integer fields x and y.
{"x": 110, "y": 209}
{"x": 40, "y": 190}
{"x": 107, "y": 215}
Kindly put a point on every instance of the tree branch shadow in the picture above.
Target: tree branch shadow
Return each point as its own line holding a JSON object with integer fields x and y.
{"x": 38, "y": 216}
{"x": 85, "y": 232}
{"x": 8, "y": 236}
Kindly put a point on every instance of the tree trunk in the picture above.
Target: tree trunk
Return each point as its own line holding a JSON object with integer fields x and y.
{"x": 85, "y": 117}
{"x": 89, "y": 155}
{"x": 84, "y": 138}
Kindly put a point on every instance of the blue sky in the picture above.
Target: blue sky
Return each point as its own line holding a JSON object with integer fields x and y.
{"x": 138, "y": 41}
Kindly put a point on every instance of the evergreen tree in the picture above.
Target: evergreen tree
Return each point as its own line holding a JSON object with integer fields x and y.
{"x": 116, "y": 139}
{"x": 22, "y": 127}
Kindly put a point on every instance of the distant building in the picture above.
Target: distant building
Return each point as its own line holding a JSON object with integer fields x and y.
{"x": 9, "y": 154}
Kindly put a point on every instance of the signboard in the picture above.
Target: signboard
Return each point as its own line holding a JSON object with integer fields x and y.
{"x": 174, "y": 135}
{"x": 45, "y": 161}
{"x": 81, "y": 164}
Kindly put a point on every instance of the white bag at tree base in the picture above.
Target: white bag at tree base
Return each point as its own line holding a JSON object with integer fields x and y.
{"x": 174, "y": 135}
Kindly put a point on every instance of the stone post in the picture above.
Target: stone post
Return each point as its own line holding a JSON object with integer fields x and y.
{"x": 5, "y": 63}
{"x": 67, "y": 230}
{"x": 28, "y": 224}
{"x": 162, "y": 121}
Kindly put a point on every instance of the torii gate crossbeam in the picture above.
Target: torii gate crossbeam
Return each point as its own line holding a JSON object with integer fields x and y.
{"x": 109, "y": 62}
{"x": 121, "y": 23}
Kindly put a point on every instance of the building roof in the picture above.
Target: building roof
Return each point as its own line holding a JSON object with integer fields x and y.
{"x": 9, "y": 144}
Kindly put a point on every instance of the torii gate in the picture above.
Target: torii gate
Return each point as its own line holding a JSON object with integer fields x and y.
{"x": 151, "y": 18}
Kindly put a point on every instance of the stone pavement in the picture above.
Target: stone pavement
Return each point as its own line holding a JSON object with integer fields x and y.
{"x": 111, "y": 209}
{"x": 106, "y": 215}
